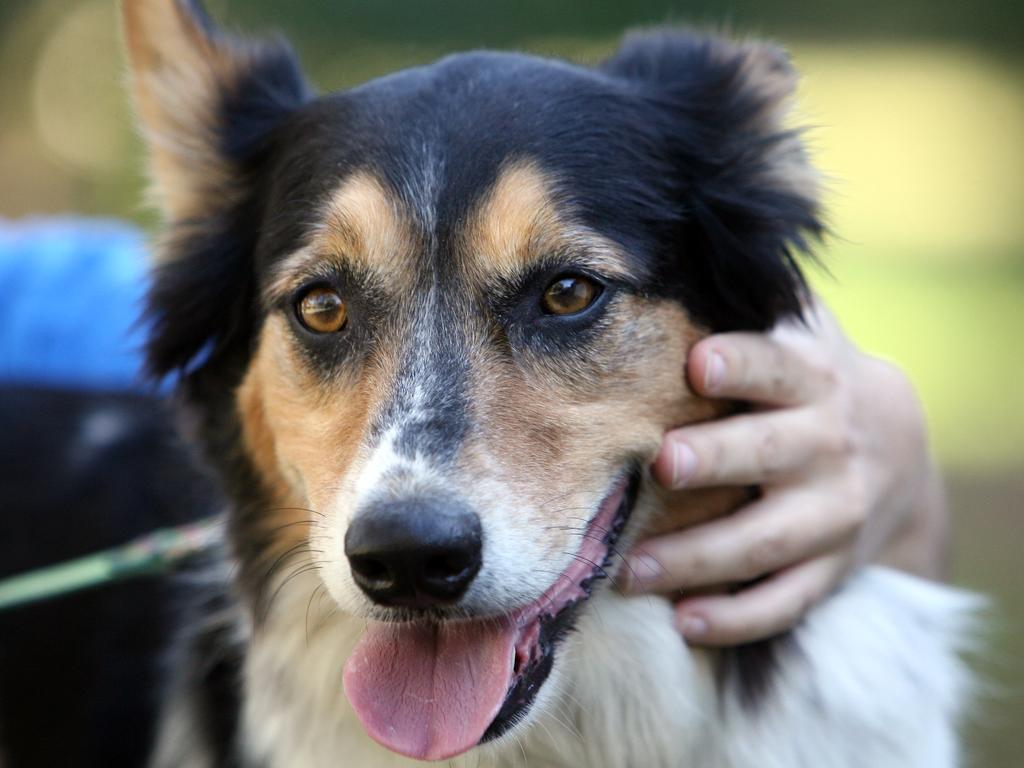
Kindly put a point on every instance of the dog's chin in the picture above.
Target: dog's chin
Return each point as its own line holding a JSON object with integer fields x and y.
{"x": 496, "y": 667}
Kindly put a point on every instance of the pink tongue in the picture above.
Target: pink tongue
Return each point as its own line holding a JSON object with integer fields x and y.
{"x": 429, "y": 691}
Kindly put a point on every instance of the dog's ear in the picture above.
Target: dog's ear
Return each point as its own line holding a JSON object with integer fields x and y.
{"x": 208, "y": 105}
{"x": 204, "y": 100}
{"x": 748, "y": 195}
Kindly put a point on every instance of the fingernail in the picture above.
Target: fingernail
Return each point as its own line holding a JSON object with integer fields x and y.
{"x": 715, "y": 373}
{"x": 640, "y": 571}
{"x": 684, "y": 464}
{"x": 693, "y": 627}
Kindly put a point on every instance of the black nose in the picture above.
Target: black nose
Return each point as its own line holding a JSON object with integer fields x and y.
{"x": 414, "y": 553}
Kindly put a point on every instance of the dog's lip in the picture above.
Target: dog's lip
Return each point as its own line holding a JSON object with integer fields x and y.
{"x": 542, "y": 623}
{"x": 598, "y": 534}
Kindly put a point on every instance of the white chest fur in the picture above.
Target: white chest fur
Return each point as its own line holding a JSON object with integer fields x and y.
{"x": 876, "y": 682}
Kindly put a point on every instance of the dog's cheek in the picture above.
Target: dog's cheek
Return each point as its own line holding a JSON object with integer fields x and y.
{"x": 654, "y": 340}
{"x": 301, "y": 434}
{"x": 637, "y": 390}
{"x": 555, "y": 443}
{"x": 259, "y": 441}
{"x": 663, "y": 400}
{"x": 520, "y": 436}
{"x": 641, "y": 393}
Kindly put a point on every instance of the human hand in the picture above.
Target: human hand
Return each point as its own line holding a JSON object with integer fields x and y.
{"x": 837, "y": 443}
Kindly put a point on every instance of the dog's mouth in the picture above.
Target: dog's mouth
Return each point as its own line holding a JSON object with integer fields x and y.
{"x": 433, "y": 690}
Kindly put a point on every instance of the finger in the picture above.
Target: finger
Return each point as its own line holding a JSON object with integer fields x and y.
{"x": 787, "y": 526}
{"x": 769, "y": 608}
{"x": 755, "y": 367}
{"x": 745, "y": 450}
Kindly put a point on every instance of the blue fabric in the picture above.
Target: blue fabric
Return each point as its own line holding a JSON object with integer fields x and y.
{"x": 70, "y": 297}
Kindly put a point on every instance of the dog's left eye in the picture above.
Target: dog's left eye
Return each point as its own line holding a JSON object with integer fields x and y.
{"x": 569, "y": 295}
{"x": 322, "y": 310}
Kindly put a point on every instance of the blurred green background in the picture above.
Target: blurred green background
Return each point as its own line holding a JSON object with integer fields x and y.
{"x": 916, "y": 111}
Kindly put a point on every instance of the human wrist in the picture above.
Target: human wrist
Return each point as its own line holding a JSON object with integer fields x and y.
{"x": 921, "y": 546}
{"x": 917, "y": 541}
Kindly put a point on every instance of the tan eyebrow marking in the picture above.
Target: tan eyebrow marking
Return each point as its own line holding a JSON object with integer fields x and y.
{"x": 362, "y": 225}
{"x": 520, "y": 222}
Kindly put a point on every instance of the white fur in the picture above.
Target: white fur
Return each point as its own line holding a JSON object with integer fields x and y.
{"x": 519, "y": 561}
{"x": 876, "y": 683}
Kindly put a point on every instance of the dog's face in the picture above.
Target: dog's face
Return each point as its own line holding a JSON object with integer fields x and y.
{"x": 434, "y": 327}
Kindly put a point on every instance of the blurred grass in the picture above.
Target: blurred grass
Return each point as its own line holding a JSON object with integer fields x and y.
{"x": 954, "y": 328}
{"x": 916, "y": 110}
{"x": 987, "y": 535}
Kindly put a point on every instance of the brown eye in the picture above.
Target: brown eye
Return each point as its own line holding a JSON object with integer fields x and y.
{"x": 569, "y": 295}
{"x": 321, "y": 310}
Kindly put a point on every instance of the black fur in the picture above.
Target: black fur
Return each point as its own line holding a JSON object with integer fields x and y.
{"x": 750, "y": 669}
{"x": 661, "y": 149}
{"x": 737, "y": 230}
{"x": 207, "y": 662}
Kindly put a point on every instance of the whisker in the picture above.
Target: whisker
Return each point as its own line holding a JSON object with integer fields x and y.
{"x": 277, "y": 528}
{"x": 282, "y": 558}
{"x": 298, "y": 571}
{"x": 573, "y": 731}
{"x": 636, "y": 577}
{"x": 594, "y": 565}
{"x": 644, "y": 552}
{"x": 312, "y": 595}
{"x": 325, "y": 619}
{"x": 296, "y": 509}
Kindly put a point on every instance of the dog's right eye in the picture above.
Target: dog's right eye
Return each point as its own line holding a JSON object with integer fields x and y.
{"x": 321, "y": 310}
{"x": 569, "y": 295}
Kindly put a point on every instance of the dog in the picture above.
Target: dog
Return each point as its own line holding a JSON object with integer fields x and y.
{"x": 429, "y": 333}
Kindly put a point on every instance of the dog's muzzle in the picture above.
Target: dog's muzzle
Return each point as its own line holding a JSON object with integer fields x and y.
{"x": 433, "y": 688}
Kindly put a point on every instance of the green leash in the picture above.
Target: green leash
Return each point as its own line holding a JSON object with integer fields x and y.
{"x": 152, "y": 553}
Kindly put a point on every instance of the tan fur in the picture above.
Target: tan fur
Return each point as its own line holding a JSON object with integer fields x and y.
{"x": 316, "y": 426}
{"x": 361, "y": 226}
{"x": 300, "y": 433}
{"x": 258, "y": 435}
{"x": 520, "y": 221}
{"x": 177, "y": 76}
